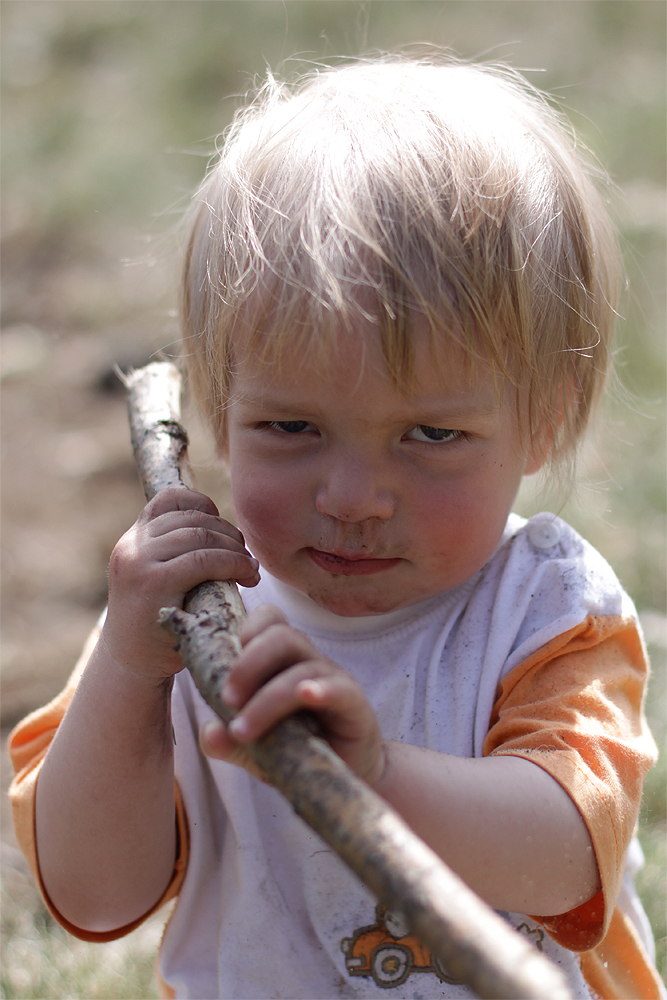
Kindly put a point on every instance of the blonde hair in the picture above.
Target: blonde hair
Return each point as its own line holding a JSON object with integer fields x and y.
{"x": 390, "y": 189}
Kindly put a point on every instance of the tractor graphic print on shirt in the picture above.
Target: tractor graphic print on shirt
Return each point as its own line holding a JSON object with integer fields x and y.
{"x": 388, "y": 953}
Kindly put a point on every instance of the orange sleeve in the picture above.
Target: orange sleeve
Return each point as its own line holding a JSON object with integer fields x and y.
{"x": 619, "y": 968}
{"x": 28, "y": 746}
{"x": 575, "y": 708}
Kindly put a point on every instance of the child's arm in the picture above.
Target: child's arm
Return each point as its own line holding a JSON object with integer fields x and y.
{"x": 105, "y": 809}
{"x": 502, "y": 823}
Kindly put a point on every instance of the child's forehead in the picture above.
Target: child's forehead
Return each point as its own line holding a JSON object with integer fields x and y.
{"x": 353, "y": 361}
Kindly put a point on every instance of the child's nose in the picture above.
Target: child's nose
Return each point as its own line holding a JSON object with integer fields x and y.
{"x": 353, "y": 491}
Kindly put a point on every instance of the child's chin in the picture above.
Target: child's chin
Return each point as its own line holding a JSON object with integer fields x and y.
{"x": 353, "y": 605}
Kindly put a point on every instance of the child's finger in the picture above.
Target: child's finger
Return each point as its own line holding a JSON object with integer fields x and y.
{"x": 315, "y": 684}
{"x": 270, "y": 651}
{"x": 339, "y": 702}
{"x": 180, "y": 560}
{"x": 175, "y": 520}
{"x": 259, "y": 620}
{"x": 178, "y": 498}
{"x": 192, "y": 568}
{"x": 214, "y": 741}
{"x": 347, "y": 719}
{"x": 173, "y": 543}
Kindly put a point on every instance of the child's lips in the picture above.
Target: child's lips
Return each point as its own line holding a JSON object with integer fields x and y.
{"x": 350, "y": 565}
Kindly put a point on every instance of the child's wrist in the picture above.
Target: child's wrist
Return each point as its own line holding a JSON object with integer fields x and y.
{"x": 136, "y": 673}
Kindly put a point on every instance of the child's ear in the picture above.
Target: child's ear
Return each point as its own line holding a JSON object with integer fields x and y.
{"x": 546, "y": 432}
{"x": 538, "y": 451}
{"x": 533, "y": 463}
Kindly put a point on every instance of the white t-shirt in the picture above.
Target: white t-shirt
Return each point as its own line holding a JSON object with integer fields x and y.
{"x": 266, "y": 908}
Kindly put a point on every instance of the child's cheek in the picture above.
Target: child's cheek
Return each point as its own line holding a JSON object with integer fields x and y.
{"x": 269, "y": 515}
{"x": 460, "y": 527}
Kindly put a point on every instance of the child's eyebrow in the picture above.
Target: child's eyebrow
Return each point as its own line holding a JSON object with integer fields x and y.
{"x": 277, "y": 404}
{"x": 436, "y": 408}
{"x": 485, "y": 405}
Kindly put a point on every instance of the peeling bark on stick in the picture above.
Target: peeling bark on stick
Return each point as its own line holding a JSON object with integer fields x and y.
{"x": 467, "y": 939}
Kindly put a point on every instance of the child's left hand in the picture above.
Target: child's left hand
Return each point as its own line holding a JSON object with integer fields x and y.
{"x": 280, "y": 672}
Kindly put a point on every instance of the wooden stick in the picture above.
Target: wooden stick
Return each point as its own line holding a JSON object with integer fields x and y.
{"x": 468, "y": 941}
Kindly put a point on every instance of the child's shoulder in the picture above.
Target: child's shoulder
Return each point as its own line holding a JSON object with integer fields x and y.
{"x": 545, "y": 579}
{"x": 547, "y": 548}
{"x": 547, "y": 538}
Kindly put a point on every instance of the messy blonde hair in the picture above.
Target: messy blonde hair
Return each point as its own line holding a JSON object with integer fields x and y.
{"x": 392, "y": 189}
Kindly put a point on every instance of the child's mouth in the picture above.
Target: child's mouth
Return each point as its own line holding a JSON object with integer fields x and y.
{"x": 350, "y": 566}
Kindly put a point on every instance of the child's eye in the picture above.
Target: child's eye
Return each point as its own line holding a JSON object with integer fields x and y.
{"x": 289, "y": 426}
{"x": 432, "y": 434}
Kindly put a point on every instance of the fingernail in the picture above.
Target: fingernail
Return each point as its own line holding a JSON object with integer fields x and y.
{"x": 210, "y": 730}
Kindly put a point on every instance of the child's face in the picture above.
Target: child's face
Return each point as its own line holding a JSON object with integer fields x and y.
{"x": 363, "y": 497}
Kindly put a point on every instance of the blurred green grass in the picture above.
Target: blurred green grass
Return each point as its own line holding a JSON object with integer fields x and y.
{"x": 109, "y": 113}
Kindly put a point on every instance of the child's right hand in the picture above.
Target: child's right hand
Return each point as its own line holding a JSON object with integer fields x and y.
{"x": 178, "y": 542}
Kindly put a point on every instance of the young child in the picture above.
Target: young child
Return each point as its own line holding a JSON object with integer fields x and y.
{"x": 398, "y": 300}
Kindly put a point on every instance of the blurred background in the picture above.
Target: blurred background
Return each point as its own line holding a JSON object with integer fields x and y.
{"x": 110, "y": 109}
